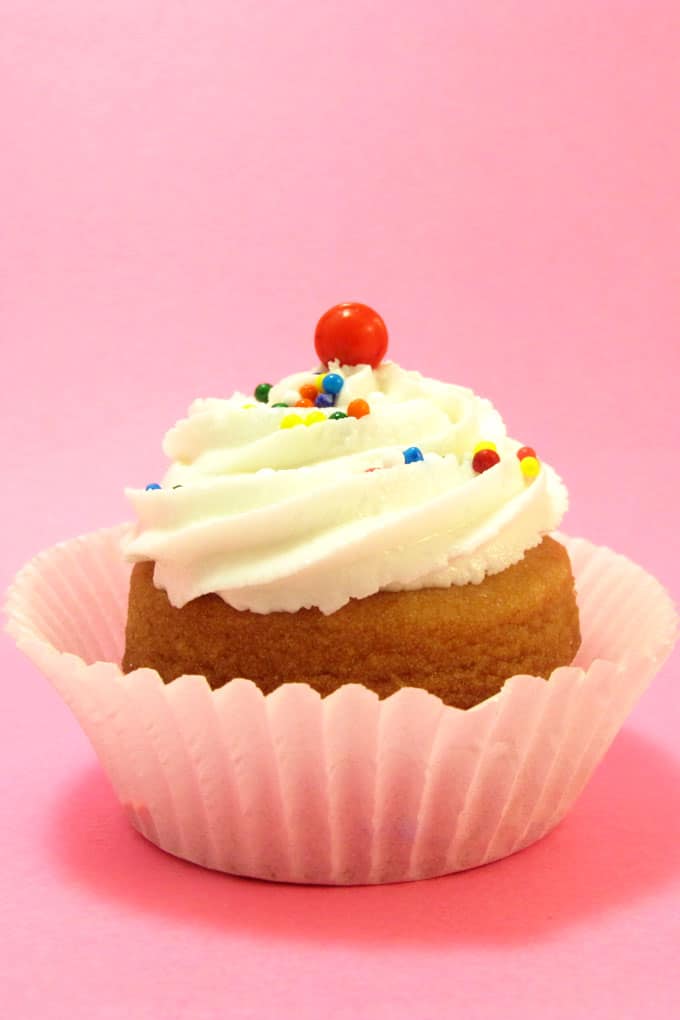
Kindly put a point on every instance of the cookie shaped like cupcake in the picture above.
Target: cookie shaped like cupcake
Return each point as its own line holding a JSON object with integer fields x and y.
{"x": 359, "y": 524}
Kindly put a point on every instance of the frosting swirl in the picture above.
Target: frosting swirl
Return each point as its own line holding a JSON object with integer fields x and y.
{"x": 276, "y": 519}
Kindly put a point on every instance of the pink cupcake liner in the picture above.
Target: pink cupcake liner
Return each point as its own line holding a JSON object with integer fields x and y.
{"x": 347, "y": 789}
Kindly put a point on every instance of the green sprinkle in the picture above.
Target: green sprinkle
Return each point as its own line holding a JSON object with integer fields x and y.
{"x": 262, "y": 392}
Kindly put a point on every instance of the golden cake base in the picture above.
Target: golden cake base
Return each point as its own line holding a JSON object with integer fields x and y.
{"x": 460, "y": 643}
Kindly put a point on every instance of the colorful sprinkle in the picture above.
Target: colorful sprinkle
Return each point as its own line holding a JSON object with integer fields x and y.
{"x": 318, "y": 380}
{"x": 484, "y": 459}
{"x": 358, "y": 409}
{"x": 304, "y": 402}
{"x": 289, "y": 421}
{"x": 309, "y": 392}
{"x": 178, "y": 486}
{"x": 152, "y": 485}
{"x": 332, "y": 383}
{"x": 413, "y": 454}
{"x": 337, "y": 415}
{"x": 530, "y": 466}
{"x": 314, "y": 417}
{"x": 246, "y": 407}
{"x": 484, "y": 446}
{"x": 525, "y": 451}
{"x": 324, "y": 400}
{"x": 261, "y": 392}
{"x": 280, "y": 405}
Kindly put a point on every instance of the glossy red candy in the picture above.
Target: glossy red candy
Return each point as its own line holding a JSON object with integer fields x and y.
{"x": 484, "y": 459}
{"x": 352, "y": 334}
{"x": 525, "y": 451}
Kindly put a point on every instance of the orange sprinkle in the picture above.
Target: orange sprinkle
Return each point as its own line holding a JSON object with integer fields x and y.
{"x": 309, "y": 392}
{"x": 358, "y": 408}
{"x": 303, "y": 402}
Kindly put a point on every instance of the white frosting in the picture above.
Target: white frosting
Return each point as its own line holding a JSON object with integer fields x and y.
{"x": 278, "y": 519}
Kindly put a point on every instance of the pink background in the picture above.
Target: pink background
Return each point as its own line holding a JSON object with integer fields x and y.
{"x": 184, "y": 192}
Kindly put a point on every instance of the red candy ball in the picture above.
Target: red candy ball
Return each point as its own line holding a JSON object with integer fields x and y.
{"x": 484, "y": 459}
{"x": 525, "y": 451}
{"x": 352, "y": 334}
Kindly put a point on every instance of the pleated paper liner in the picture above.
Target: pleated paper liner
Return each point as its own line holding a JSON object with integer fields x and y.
{"x": 348, "y": 789}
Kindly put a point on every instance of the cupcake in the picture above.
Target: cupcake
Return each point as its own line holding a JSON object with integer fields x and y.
{"x": 342, "y": 643}
{"x": 356, "y": 524}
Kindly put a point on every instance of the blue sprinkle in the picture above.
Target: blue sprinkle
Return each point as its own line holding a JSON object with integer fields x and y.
{"x": 153, "y": 485}
{"x": 413, "y": 454}
{"x": 333, "y": 383}
{"x": 324, "y": 400}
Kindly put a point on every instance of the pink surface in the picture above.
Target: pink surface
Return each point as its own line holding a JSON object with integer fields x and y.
{"x": 183, "y": 194}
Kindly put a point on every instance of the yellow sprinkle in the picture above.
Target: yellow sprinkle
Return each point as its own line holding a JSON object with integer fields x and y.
{"x": 319, "y": 380}
{"x": 530, "y": 467}
{"x": 314, "y": 416}
{"x": 484, "y": 446}
{"x": 289, "y": 421}
{"x": 246, "y": 406}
